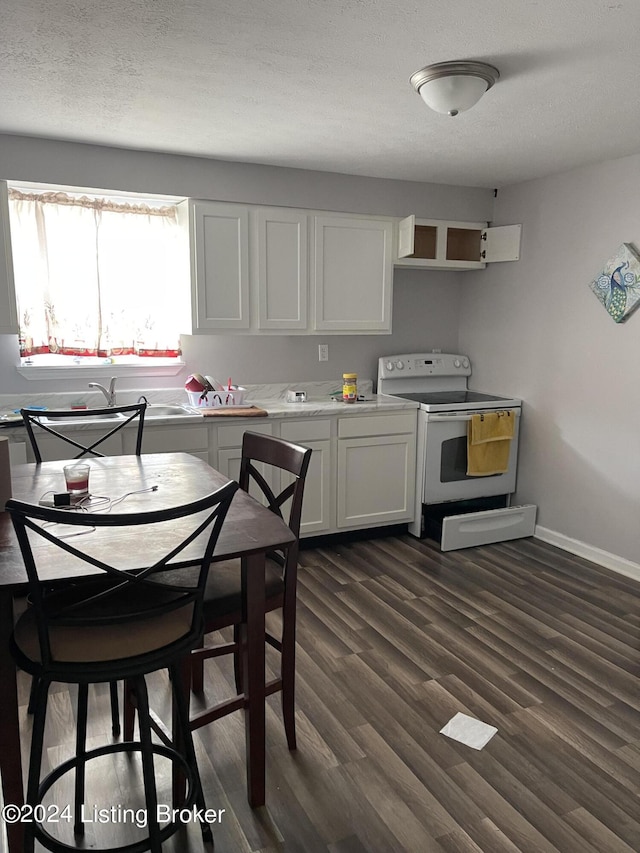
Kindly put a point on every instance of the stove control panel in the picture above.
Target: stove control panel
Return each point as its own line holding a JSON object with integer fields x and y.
{"x": 417, "y": 365}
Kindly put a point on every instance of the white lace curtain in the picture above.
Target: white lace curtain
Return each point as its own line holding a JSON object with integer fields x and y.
{"x": 94, "y": 276}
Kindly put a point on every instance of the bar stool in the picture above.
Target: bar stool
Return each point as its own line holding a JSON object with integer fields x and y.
{"x": 139, "y": 616}
{"x": 264, "y": 459}
{"x": 40, "y": 423}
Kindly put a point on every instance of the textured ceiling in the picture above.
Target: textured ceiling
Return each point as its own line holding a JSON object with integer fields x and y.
{"x": 323, "y": 84}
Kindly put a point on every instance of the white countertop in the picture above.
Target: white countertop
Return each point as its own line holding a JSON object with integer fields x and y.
{"x": 318, "y": 408}
{"x": 271, "y": 398}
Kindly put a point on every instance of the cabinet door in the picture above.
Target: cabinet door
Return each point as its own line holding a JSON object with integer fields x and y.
{"x": 229, "y": 464}
{"x": 282, "y": 268}
{"x": 353, "y": 274}
{"x": 376, "y": 480}
{"x": 406, "y": 236}
{"x": 220, "y": 266}
{"x": 316, "y": 504}
{"x": 8, "y": 311}
{"x": 501, "y": 243}
{"x": 229, "y": 442}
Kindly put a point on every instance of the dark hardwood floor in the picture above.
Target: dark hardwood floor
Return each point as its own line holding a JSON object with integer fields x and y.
{"x": 395, "y": 638}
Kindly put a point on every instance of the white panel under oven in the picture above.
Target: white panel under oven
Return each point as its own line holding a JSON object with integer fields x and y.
{"x": 482, "y": 528}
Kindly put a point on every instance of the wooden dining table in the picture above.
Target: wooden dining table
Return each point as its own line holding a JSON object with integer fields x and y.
{"x": 250, "y": 530}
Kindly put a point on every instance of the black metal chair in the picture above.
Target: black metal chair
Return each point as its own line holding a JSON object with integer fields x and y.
{"x": 223, "y": 593}
{"x": 144, "y": 613}
{"x": 111, "y": 415}
{"x": 38, "y": 419}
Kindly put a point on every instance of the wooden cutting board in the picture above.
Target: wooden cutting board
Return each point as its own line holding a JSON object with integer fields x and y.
{"x": 234, "y": 412}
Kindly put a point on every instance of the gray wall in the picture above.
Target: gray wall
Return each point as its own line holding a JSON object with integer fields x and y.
{"x": 425, "y": 306}
{"x": 534, "y": 329}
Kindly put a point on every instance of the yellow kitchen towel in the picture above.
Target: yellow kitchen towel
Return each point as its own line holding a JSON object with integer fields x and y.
{"x": 489, "y": 443}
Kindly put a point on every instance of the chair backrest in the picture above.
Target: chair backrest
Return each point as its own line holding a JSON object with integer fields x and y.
{"x": 286, "y": 456}
{"x": 115, "y": 418}
{"x": 166, "y": 570}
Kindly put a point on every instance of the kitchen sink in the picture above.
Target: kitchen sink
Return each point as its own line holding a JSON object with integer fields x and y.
{"x": 153, "y": 411}
{"x": 157, "y": 411}
{"x": 73, "y": 416}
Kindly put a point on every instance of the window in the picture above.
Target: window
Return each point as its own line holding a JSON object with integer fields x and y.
{"x": 98, "y": 279}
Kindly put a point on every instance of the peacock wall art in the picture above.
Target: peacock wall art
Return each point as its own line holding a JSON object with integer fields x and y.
{"x": 618, "y": 285}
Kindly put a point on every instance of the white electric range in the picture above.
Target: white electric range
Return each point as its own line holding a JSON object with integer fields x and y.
{"x": 438, "y": 383}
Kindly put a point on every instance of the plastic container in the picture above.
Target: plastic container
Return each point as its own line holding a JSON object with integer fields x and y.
{"x": 349, "y": 387}
{"x": 215, "y": 399}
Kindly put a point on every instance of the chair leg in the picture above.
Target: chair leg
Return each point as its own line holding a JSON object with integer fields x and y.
{"x": 288, "y": 675}
{"x": 148, "y": 771}
{"x": 35, "y": 759}
{"x": 128, "y": 711}
{"x": 237, "y": 660}
{"x": 81, "y": 750}
{"x": 32, "y": 695}
{"x": 184, "y": 735}
{"x": 197, "y": 671}
{"x": 115, "y": 709}
{"x": 182, "y": 672}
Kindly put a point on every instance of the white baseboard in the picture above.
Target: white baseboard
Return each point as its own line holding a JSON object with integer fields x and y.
{"x": 589, "y": 552}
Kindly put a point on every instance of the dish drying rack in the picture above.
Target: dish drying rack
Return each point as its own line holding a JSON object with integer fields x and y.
{"x": 217, "y": 399}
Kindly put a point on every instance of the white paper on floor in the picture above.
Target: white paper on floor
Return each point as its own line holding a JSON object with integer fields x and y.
{"x": 469, "y": 731}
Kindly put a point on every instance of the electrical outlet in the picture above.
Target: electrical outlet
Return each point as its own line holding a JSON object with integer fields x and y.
{"x": 323, "y": 352}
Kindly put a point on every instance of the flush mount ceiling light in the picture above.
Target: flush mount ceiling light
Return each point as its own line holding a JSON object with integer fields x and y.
{"x": 453, "y": 87}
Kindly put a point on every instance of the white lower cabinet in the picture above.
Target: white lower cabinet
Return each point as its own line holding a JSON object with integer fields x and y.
{"x": 362, "y": 469}
{"x": 376, "y": 470}
{"x": 193, "y": 439}
{"x": 361, "y": 474}
{"x": 316, "y": 505}
{"x": 229, "y": 444}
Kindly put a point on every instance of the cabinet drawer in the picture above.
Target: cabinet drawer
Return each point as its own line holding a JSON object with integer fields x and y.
{"x": 231, "y": 436}
{"x": 378, "y": 424}
{"x": 160, "y": 440}
{"x": 307, "y": 430}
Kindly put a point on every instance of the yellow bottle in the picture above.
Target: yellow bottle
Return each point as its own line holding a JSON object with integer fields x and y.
{"x": 349, "y": 387}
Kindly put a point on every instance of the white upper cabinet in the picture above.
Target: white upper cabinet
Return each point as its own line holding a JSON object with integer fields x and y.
{"x": 8, "y": 310}
{"x": 439, "y": 244}
{"x": 352, "y": 274}
{"x": 281, "y": 261}
{"x": 285, "y": 271}
{"x": 220, "y": 265}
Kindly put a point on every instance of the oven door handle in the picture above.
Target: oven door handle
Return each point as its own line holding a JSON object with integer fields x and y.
{"x": 466, "y": 416}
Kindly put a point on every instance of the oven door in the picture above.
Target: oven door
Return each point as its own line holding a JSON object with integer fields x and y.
{"x": 445, "y": 460}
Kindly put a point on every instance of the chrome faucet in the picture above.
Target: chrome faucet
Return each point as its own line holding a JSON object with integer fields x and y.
{"x": 110, "y": 395}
